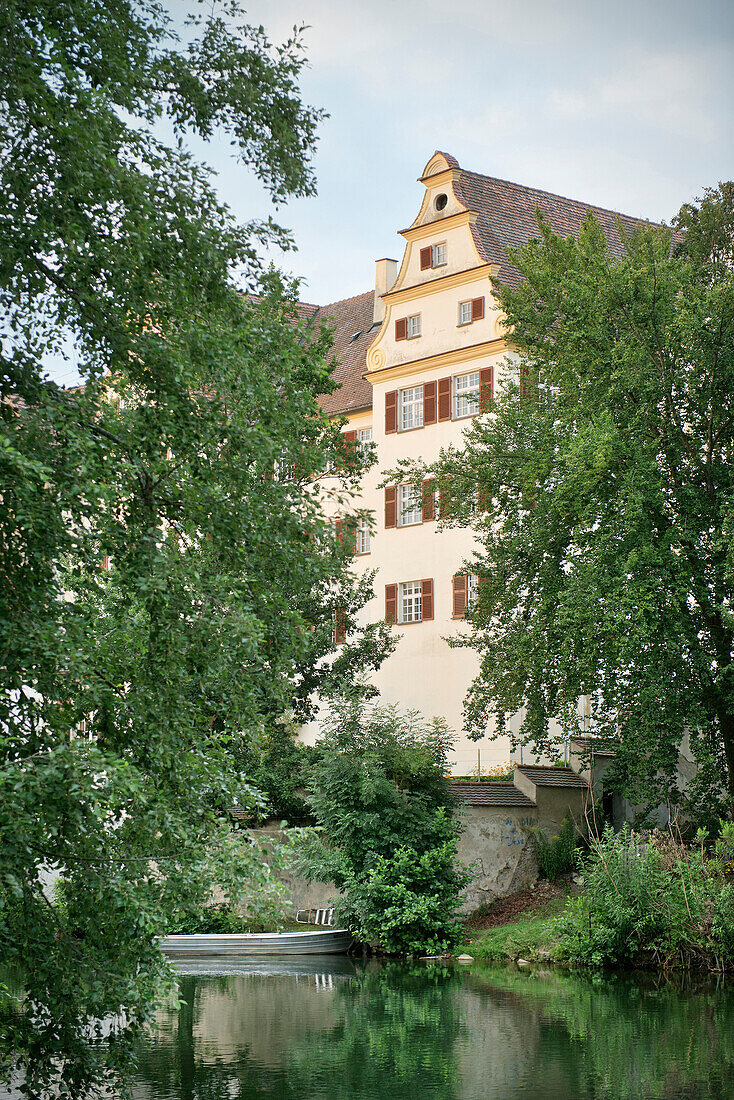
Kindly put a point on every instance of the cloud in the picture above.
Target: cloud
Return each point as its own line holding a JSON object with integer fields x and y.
{"x": 670, "y": 91}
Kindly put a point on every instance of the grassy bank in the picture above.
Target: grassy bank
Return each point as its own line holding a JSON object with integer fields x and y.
{"x": 521, "y": 926}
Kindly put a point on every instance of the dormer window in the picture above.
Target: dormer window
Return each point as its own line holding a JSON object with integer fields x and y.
{"x": 440, "y": 201}
{"x": 433, "y": 255}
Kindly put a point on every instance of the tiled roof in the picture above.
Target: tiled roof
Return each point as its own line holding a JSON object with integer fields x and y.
{"x": 353, "y": 334}
{"x": 507, "y": 218}
{"x": 490, "y": 794}
{"x": 552, "y": 777}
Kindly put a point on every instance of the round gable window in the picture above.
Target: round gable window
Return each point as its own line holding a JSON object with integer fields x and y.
{"x": 440, "y": 201}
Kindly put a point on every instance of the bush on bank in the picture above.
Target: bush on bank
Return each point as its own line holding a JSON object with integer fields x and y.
{"x": 389, "y": 828}
{"x": 649, "y": 899}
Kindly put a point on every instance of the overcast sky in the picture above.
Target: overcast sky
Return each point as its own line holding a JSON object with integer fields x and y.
{"x": 625, "y": 104}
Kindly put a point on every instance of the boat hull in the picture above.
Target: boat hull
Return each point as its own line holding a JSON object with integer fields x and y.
{"x": 332, "y": 941}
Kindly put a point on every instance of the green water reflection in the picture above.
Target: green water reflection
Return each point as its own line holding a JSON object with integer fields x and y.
{"x": 333, "y": 1029}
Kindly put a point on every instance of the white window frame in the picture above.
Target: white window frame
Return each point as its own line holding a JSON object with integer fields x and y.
{"x": 467, "y": 394}
{"x": 439, "y": 254}
{"x": 472, "y": 590}
{"x": 410, "y": 602}
{"x": 410, "y": 398}
{"x": 364, "y": 438}
{"x": 409, "y": 506}
{"x": 413, "y": 326}
{"x": 363, "y": 536}
{"x": 464, "y": 308}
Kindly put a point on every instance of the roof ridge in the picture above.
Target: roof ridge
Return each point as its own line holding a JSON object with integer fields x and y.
{"x": 556, "y": 195}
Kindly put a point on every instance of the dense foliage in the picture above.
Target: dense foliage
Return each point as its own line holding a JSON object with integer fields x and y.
{"x": 605, "y": 506}
{"x": 651, "y": 900}
{"x": 559, "y": 853}
{"x": 185, "y": 462}
{"x": 380, "y": 793}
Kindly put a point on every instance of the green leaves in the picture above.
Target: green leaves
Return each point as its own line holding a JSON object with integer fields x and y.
{"x": 607, "y": 480}
{"x": 128, "y": 694}
{"x": 379, "y": 792}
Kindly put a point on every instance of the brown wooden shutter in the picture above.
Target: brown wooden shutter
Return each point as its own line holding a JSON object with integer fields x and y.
{"x": 444, "y": 399}
{"x": 429, "y": 509}
{"x": 426, "y": 258}
{"x": 426, "y": 600}
{"x": 477, "y": 309}
{"x": 401, "y": 328}
{"x": 339, "y": 530}
{"x": 391, "y": 412}
{"x": 524, "y": 383}
{"x": 391, "y": 603}
{"x": 486, "y": 380}
{"x": 391, "y": 506}
{"x": 351, "y": 437}
{"x": 429, "y": 403}
{"x": 340, "y": 627}
{"x": 459, "y": 591}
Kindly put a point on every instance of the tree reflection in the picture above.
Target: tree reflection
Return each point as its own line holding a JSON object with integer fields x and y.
{"x": 439, "y": 1034}
{"x": 389, "y": 1032}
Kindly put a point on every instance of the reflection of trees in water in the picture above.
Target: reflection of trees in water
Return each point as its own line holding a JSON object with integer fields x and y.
{"x": 393, "y": 1034}
{"x": 617, "y": 1038}
{"x": 396, "y": 1037}
{"x": 410, "y": 1032}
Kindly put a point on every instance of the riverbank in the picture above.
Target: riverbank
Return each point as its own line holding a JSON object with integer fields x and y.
{"x": 522, "y": 925}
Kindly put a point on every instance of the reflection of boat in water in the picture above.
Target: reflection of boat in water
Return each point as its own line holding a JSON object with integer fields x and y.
{"x": 322, "y": 969}
{"x": 329, "y": 941}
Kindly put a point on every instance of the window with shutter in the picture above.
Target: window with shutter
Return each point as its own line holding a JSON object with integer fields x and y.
{"x": 410, "y": 602}
{"x": 414, "y": 326}
{"x": 401, "y": 328}
{"x": 410, "y": 509}
{"x": 363, "y": 537}
{"x": 466, "y": 395}
{"x": 391, "y": 412}
{"x": 477, "y": 309}
{"x": 410, "y": 401}
{"x": 438, "y": 255}
{"x": 391, "y": 506}
{"x": 426, "y": 599}
{"x": 444, "y": 399}
{"x": 426, "y": 258}
{"x": 429, "y": 402}
{"x": 458, "y": 585}
{"x": 391, "y": 603}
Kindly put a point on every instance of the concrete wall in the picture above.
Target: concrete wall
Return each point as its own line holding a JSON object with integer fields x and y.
{"x": 495, "y": 840}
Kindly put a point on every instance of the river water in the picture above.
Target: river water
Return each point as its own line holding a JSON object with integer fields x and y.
{"x": 326, "y": 1029}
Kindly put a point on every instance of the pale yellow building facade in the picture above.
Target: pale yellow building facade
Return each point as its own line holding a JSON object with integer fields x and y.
{"x": 418, "y": 358}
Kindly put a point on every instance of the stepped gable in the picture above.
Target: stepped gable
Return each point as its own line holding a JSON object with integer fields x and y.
{"x": 490, "y": 794}
{"x": 507, "y": 218}
{"x": 551, "y": 777}
{"x": 353, "y": 333}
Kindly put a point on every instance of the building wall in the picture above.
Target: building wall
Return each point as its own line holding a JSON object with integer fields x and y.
{"x": 424, "y": 673}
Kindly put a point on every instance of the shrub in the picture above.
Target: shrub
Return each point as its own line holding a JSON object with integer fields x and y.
{"x": 560, "y": 853}
{"x": 645, "y": 898}
{"x": 390, "y": 829}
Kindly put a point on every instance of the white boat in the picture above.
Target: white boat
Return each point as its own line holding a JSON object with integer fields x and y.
{"x": 329, "y": 941}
